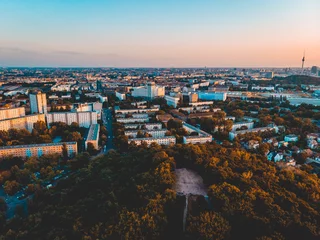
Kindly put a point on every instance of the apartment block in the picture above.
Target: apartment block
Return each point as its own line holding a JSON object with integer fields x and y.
{"x": 12, "y": 113}
{"x": 93, "y": 136}
{"x": 148, "y": 126}
{"x": 154, "y": 133}
{"x": 37, "y": 150}
{"x": 25, "y": 122}
{"x": 161, "y": 141}
{"x": 38, "y": 102}
{"x": 84, "y": 119}
{"x": 202, "y": 136}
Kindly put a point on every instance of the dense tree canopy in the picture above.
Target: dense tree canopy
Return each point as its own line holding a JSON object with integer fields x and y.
{"x": 132, "y": 196}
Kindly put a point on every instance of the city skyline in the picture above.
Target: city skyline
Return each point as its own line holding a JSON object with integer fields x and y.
{"x": 159, "y": 34}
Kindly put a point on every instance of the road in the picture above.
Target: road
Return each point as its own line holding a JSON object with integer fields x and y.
{"x": 107, "y": 121}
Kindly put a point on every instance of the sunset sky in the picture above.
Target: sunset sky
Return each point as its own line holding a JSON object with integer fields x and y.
{"x": 159, "y": 33}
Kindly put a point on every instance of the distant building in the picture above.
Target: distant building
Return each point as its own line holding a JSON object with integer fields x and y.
{"x": 38, "y": 102}
{"x": 314, "y": 69}
{"x": 25, "y": 122}
{"x": 93, "y": 136}
{"x": 88, "y": 107}
{"x": 167, "y": 140}
{"x": 234, "y": 134}
{"x": 121, "y": 96}
{"x": 239, "y": 125}
{"x": 201, "y": 137}
{"x": 84, "y": 119}
{"x": 37, "y": 150}
{"x": 133, "y": 120}
{"x": 155, "y": 133}
{"x": 137, "y": 110}
{"x": 150, "y": 91}
{"x": 8, "y": 113}
{"x": 221, "y": 96}
{"x": 291, "y": 138}
{"x": 148, "y": 126}
{"x": 99, "y": 85}
{"x": 172, "y": 101}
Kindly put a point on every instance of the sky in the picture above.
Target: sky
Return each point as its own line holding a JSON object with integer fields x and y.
{"x": 159, "y": 33}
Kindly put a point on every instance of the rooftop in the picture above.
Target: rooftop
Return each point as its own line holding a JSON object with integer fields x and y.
{"x": 38, "y": 145}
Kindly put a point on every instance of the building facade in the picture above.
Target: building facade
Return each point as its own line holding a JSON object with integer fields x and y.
{"x": 161, "y": 141}
{"x": 220, "y": 96}
{"x": 12, "y": 113}
{"x": 25, "y": 122}
{"x": 172, "y": 101}
{"x": 38, "y": 102}
{"x": 37, "y": 150}
{"x": 84, "y": 119}
{"x": 93, "y": 136}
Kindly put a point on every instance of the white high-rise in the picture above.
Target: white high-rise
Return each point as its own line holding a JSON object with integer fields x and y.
{"x": 38, "y": 102}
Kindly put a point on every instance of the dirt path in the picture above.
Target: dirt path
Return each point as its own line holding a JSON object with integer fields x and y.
{"x": 189, "y": 182}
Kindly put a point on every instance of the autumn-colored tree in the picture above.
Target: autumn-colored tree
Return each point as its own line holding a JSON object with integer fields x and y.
{"x": 209, "y": 225}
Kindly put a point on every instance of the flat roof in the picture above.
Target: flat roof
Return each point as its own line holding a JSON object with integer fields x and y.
{"x": 37, "y": 145}
{"x": 93, "y": 132}
{"x": 31, "y": 115}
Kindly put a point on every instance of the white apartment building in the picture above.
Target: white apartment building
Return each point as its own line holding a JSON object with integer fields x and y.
{"x": 134, "y": 115}
{"x": 260, "y": 88}
{"x": 12, "y": 113}
{"x": 221, "y": 96}
{"x": 197, "y": 139}
{"x": 150, "y": 91}
{"x": 133, "y": 120}
{"x": 161, "y": 141}
{"x": 25, "y": 122}
{"x": 84, "y": 119}
{"x": 172, "y": 101}
{"x": 238, "y": 125}
{"x": 201, "y": 103}
{"x": 38, "y": 150}
{"x": 148, "y": 126}
{"x": 234, "y": 134}
{"x": 157, "y": 133}
{"x": 38, "y": 102}
{"x": 93, "y": 136}
{"x": 88, "y": 107}
{"x": 137, "y": 110}
{"x": 121, "y": 96}
{"x": 202, "y": 137}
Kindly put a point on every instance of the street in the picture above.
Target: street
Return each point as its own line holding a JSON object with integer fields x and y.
{"x": 107, "y": 121}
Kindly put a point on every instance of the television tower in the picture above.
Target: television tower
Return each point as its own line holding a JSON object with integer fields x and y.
{"x": 303, "y": 59}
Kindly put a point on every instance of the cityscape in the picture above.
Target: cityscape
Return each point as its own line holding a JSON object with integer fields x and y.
{"x": 136, "y": 145}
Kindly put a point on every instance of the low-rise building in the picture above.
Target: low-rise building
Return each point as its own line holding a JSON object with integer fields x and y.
{"x": 156, "y": 133}
{"x": 93, "y": 136}
{"x": 133, "y": 120}
{"x": 121, "y": 96}
{"x": 240, "y": 125}
{"x": 167, "y": 140}
{"x": 234, "y": 134}
{"x": 201, "y": 137}
{"x": 137, "y": 110}
{"x": 148, "y": 126}
{"x": 291, "y": 138}
{"x": 37, "y": 150}
{"x": 220, "y": 96}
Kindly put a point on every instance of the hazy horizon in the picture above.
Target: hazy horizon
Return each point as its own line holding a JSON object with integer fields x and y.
{"x": 159, "y": 34}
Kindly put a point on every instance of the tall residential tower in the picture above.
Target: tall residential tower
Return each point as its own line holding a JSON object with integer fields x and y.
{"x": 38, "y": 102}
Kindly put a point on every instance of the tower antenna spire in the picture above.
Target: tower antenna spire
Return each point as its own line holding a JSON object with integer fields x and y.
{"x": 303, "y": 59}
